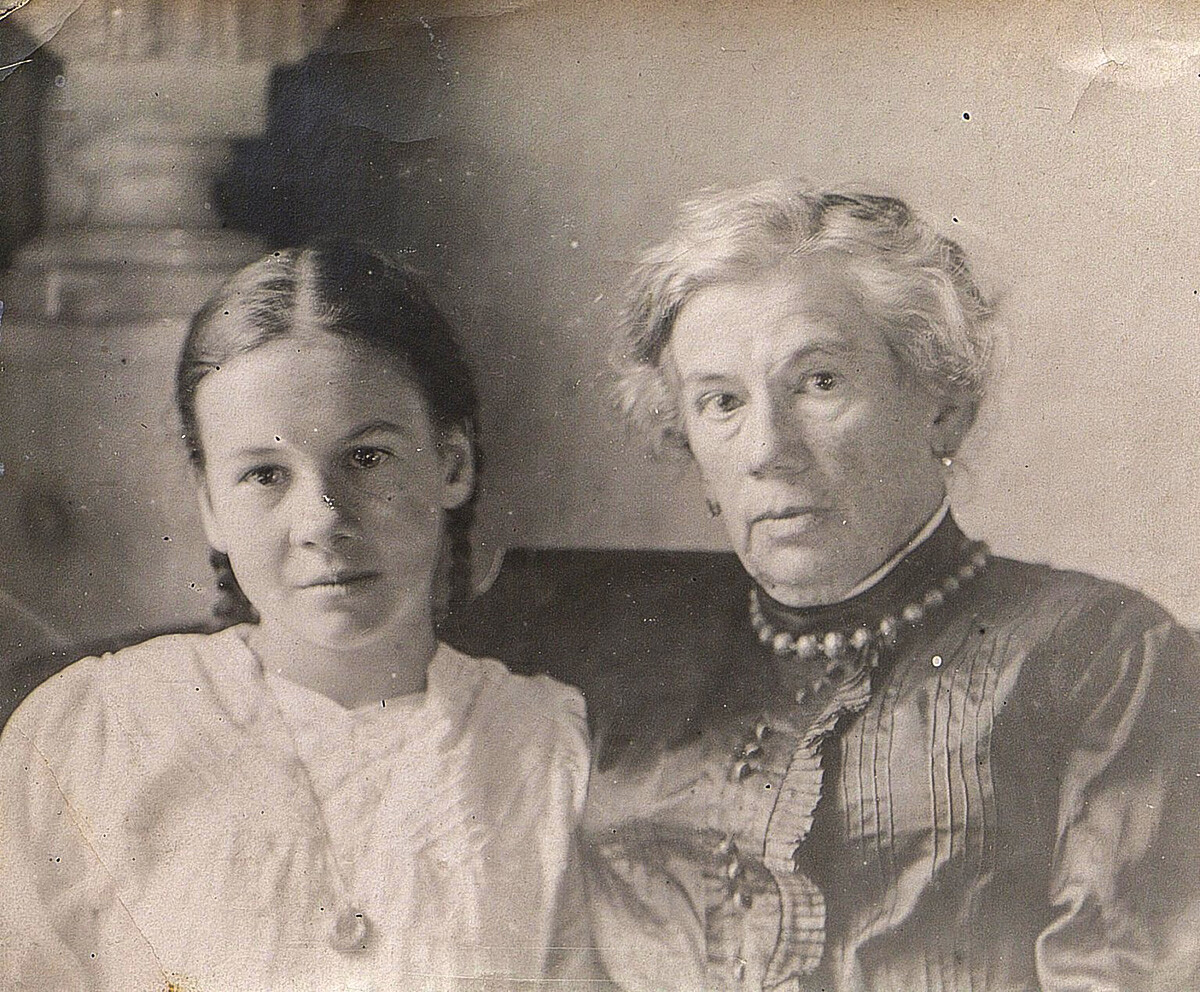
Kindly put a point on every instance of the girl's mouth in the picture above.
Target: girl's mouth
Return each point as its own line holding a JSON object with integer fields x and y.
{"x": 340, "y": 580}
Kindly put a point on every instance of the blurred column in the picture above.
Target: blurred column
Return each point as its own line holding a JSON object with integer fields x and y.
{"x": 149, "y": 96}
{"x": 98, "y": 542}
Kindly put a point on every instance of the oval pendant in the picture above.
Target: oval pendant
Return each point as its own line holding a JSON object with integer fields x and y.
{"x": 350, "y": 931}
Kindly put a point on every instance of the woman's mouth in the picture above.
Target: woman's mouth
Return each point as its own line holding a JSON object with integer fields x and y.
{"x": 342, "y": 580}
{"x": 791, "y": 513}
{"x": 789, "y": 521}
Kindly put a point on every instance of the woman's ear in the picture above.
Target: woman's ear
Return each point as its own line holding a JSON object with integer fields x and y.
{"x": 949, "y": 427}
{"x": 457, "y": 453}
{"x": 208, "y": 519}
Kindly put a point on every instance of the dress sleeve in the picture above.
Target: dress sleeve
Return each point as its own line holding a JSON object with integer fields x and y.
{"x": 564, "y": 706}
{"x": 647, "y": 883}
{"x": 574, "y": 959}
{"x": 37, "y": 835}
{"x": 571, "y": 958}
{"x": 1125, "y": 889}
{"x": 63, "y": 927}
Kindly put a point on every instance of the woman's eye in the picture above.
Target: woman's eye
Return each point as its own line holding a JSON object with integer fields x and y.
{"x": 822, "y": 382}
{"x": 718, "y": 404}
{"x": 368, "y": 457}
{"x": 264, "y": 475}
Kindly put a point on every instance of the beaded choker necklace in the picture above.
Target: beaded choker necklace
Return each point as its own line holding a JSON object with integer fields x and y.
{"x": 840, "y": 648}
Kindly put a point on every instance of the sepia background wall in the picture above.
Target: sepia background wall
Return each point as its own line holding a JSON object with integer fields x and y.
{"x": 522, "y": 154}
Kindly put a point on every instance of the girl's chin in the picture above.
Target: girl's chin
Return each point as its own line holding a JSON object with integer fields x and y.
{"x": 348, "y": 635}
{"x": 336, "y": 632}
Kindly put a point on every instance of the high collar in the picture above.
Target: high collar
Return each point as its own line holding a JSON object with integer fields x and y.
{"x": 923, "y": 568}
{"x": 917, "y": 539}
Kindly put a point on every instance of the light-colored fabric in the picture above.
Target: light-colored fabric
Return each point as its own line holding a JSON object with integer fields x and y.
{"x": 164, "y": 822}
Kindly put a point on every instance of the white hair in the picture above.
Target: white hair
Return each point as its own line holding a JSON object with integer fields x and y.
{"x": 912, "y": 280}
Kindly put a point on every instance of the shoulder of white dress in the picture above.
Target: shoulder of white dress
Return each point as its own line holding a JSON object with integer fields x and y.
{"x": 171, "y": 656}
{"x": 74, "y": 700}
{"x": 530, "y": 697}
{"x": 118, "y": 677}
{"x": 450, "y": 659}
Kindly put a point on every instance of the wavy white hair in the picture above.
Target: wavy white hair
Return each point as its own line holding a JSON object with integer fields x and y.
{"x": 913, "y": 281}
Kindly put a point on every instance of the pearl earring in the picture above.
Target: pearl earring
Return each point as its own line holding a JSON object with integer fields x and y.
{"x": 947, "y": 461}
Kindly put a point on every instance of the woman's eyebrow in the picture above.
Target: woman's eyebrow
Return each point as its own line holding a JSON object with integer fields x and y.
{"x": 834, "y": 348}
{"x": 705, "y": 378}
{"x": 825, "y": 346}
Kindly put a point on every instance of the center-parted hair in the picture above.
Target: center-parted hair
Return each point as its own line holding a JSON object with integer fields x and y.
{"x": 349, "y": 291}
{"x": 915, "y": 283}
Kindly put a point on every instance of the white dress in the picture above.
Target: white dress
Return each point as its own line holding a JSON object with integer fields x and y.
{"x": 172, "y": 818}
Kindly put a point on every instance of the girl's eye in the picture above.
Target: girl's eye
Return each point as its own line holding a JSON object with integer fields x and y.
{"x": 718, "y": 405}
{"x": 264, "y": 475}
{"x": 368, "y": 457}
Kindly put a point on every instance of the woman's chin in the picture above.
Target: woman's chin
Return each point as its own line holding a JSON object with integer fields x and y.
{"x": 798, "y": 576}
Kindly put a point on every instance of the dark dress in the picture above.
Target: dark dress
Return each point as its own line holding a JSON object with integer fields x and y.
{"x": 1009, "y": 800}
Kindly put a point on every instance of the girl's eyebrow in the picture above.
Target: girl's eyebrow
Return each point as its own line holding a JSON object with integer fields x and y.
{"x": 388, "y": 426}
{"x": 259, "y": 451}
{"x": 372, "y": 426}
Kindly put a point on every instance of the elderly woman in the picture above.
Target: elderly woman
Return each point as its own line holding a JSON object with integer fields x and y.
{"x": 905, "y": 763}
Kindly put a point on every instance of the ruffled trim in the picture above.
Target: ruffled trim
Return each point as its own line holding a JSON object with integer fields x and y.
{"x": 802, "y": 904}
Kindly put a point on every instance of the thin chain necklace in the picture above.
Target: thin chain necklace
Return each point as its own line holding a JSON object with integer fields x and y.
{"x": 839, "y": 647}
{"x": 350, "y": 929}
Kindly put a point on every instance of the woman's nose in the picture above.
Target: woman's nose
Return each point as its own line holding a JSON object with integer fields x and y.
{"x": 773, "y": 442}
{"x": 319, "y": 512}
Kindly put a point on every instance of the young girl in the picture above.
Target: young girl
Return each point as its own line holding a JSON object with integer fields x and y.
{"x": 326, "y": 798}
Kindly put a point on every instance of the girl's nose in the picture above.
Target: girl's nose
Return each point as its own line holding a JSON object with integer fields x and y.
{"x": 319, "y": 513}
{"x": 772, "y": 441}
